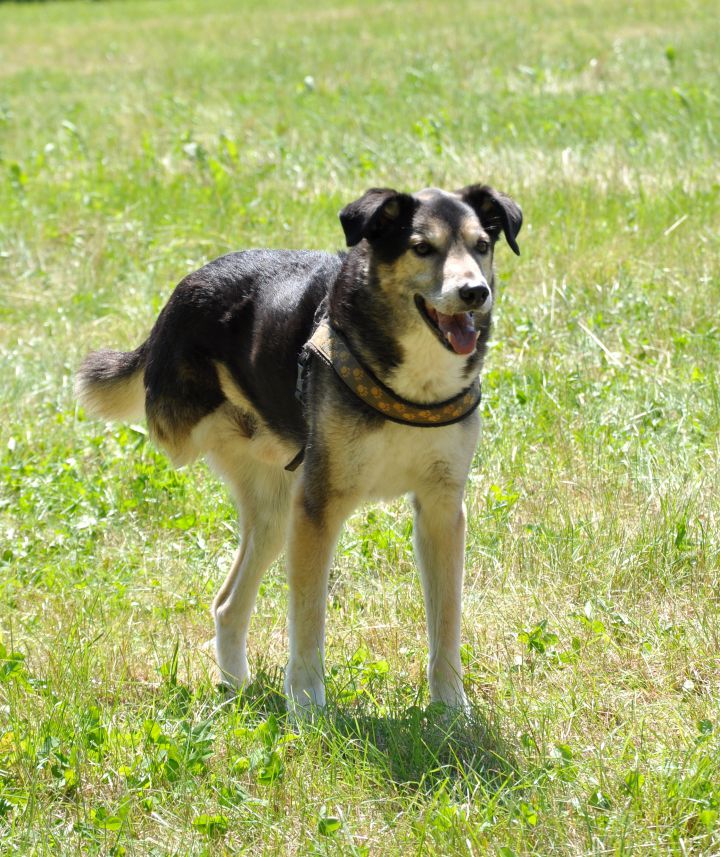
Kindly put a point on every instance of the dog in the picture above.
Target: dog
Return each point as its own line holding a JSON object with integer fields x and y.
{"x": 312, "y": 382}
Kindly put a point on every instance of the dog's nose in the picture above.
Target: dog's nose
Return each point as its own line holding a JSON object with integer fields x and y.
{"x": 474, "y": 295}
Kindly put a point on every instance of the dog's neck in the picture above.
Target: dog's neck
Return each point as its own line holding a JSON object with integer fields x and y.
{"x": 398, "y": 346}
{"x": 428, "y": 372}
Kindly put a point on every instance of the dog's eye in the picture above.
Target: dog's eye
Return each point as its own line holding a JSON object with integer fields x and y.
{"x": 482, "y": 246}
{"x": 422, "y": 248}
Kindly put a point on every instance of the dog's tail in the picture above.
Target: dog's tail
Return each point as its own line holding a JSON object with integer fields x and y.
{"x": 109, "y": 384}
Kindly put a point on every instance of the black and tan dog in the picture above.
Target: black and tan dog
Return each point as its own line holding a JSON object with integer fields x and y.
{"x": 390, "y": 338}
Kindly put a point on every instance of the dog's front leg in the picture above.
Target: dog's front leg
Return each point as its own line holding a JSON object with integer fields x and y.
{"x": 439, "y": 537}
{"x": 313, "y": 535}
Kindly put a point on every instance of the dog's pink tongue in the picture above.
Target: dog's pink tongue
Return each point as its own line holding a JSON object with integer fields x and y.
{"x": 459, "y": 330}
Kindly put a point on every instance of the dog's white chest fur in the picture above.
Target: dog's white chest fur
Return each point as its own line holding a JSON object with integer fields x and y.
{"x": 429, "y": 372}
{"x": 398, "y": 459}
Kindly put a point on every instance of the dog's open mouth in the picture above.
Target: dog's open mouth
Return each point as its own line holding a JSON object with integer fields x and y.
{"x": 456, "y": 332}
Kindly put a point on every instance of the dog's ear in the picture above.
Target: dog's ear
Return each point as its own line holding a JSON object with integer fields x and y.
{"x": 378, "y": 213}
{"x": 495, "y": 211}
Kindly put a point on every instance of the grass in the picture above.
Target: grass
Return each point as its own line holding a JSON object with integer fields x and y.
{"x": 139, "y": 139}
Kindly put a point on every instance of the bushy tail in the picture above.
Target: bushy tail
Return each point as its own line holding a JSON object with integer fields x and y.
{"x": 109, "y": 384}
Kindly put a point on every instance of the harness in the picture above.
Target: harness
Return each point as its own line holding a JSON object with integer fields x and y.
{"x": 330, "y": 346}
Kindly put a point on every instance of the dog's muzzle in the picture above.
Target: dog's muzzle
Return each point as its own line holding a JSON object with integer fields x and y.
{"x": 456, "y": 330}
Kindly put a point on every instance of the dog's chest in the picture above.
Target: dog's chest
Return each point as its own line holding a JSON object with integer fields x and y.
{"x": 400, "y": 459}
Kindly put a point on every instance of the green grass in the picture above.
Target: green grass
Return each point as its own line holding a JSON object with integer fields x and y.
{"x": 139, "y": 139}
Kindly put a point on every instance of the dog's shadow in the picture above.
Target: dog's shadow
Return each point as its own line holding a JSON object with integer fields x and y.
{"x": 420, "y": 747}
{"x": 425, "y": 747}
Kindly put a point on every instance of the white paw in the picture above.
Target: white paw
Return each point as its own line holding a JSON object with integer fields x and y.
{"x": 454, "y": 701}
{"x": 305, "y": 692}
{"x": 232, "y": 664}
{"x": 448, "y": 689}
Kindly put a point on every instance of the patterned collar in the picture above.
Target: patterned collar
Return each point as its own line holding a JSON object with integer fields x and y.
{"x": 330, "y": 346}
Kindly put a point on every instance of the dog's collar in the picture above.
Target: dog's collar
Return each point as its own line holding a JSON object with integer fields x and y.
{"x": 332, "y": 348}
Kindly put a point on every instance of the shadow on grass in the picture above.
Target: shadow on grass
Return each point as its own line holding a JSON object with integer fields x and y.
{"x": 424, "y": 747}
{"x": 417, "y": 747}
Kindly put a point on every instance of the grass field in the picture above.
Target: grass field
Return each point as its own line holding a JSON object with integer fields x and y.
{"x": 140, "y": 139}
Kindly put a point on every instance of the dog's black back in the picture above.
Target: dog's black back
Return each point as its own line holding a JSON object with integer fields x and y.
{"x": 251, "y": 311}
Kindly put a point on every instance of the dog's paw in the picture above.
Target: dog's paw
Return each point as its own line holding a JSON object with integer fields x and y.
{"x": 305, "y": 693}
{"x": 451, "y": 695}
{"x": 232, "y": 665}
{"x": 449, "y": 713}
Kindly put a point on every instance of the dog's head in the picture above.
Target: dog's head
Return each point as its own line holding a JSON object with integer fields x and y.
{"x": 433, "y": 252}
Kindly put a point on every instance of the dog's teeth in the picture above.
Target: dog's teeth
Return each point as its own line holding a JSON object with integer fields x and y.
{"x": 448, "y": 336}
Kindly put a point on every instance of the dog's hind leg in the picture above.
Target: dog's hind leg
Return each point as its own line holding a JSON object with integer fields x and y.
{"x": 439, "y": 537}
{"x": 263, "y": 496}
